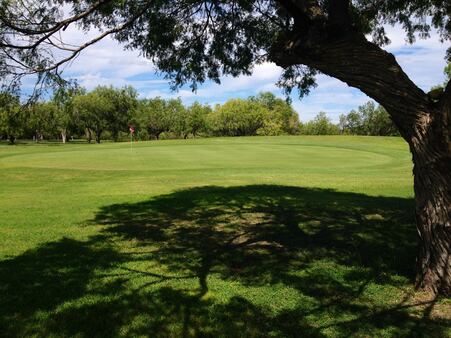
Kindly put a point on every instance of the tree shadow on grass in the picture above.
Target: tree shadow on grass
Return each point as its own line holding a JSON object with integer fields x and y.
{"x": 249, "y": 261}
{"x": 259, "y": 234}
{"x": 40, "y": 280}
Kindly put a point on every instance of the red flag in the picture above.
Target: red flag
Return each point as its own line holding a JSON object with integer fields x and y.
{"x": 132, "y": 130}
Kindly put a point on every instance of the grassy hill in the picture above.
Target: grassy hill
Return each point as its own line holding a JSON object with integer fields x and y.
{"x": 262, "y": 236}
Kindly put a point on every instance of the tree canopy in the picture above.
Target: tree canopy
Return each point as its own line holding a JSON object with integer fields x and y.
{"x": 194, "y": 40}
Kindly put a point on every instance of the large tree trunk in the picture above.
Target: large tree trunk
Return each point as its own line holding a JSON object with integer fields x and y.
{"x": 431, "y": 152}
{"x": 63, "y": 135}
{"x": 422, "y": 122}
{"x": 432, "y": 177}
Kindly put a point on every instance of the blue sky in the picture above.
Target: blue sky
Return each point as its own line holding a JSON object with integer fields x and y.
{"x": 106, "y": 63}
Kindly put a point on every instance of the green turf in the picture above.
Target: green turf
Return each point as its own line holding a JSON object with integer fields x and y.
{"x": 251, "y": 237}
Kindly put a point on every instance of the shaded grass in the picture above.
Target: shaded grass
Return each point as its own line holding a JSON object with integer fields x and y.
{"x": 249, "y": 261}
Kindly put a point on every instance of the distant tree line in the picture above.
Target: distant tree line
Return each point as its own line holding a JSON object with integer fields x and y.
{"x": 108, "y": 113}
{"x": 368, "y": 119}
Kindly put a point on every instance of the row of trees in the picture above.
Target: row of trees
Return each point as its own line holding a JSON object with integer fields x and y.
{"x": 368, "y": 119}
{"x": 108, "y": 112}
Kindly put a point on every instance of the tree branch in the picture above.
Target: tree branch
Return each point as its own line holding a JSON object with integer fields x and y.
{"x": 93, "y": 41}
{"x": 445, "y": 103}
{"x": 363, "y": 65}
{"x": 48, "y": 32}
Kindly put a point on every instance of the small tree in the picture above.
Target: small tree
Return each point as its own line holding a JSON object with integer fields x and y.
{"x": 368, "y": 120}
{"x": 281, "y": 113}
{"x": 91, "y": 111}
{"x": 177, "y": 117}
{"x": 11, "y": 117}
{"x": 63, "y": 98}
{"x": 237, "y": 117}
{"x": 321, "y": 125}
{"x": 197, "y": 118}
{"x": 41, "y": 119}
{"x": 342, "y": 124}
{"x": 379, "y": 123}
{"x": 121, "y": 104}
{"x": 153, "y": 116}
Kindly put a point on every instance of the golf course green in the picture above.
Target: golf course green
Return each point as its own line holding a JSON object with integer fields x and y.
{"x": 290, "y": 236}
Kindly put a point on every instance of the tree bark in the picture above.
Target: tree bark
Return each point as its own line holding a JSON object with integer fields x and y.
{"x": 115, "y": 135}
{"x": 432, "y": 177}
{"x": 12, "y": 139}
{"x": 63, "y": 135}
{"x": 88, "y": 135}
{"x": 98, "y": 135}
{"x": 423, "y": 123}
{"x": 431, "y": 151}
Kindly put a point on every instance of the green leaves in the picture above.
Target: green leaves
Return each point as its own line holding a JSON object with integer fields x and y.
{"x": 263, "y": 115}
{"x": 320, "y": 125}
{"x": 192, "y": 41}
{"x": 368, "y": 120}
{"x": 11, "y": 116}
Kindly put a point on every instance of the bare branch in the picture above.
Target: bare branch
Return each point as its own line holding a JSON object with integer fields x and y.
{"x": 91, "y": 42}
{"x": 49, "y": 31}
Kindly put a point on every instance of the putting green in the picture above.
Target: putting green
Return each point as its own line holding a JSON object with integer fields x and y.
{"x": 155, "y": 157}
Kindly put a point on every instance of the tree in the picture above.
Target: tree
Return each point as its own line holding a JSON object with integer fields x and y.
{"x": 176, "y": 117}
{"x": 321, "y": 125}
{"x": 447, "y": 71}
{"x": 354, "y": 123}
{"x": 377, "y": 121}
{"x": 190, "y": 120}
{"x": 237, "y": 117}
{"x": 121, "y": 103}
{"x": 11, "y": 117}
{"x": 343, "y": 124}
{"x": 197, "y": 118}
{"x": 368, "y": 120}
{"x": 63, "y": 98}
{"x": 92, "y": 111}
{"x": 153, "y": 115}
{"x": 281, "y": 114}
{"x": 192, "y": 41}
{"x": 41, "y": 117}
{"x": 436, "y": 92}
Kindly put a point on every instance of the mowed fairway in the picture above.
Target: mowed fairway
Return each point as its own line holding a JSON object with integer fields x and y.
{"x": 252, "y": 237}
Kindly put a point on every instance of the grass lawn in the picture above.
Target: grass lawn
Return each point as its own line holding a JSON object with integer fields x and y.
{"x": 226, "y": 237}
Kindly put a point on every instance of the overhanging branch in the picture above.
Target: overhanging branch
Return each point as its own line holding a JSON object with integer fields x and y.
{"x": 48, "y": 31}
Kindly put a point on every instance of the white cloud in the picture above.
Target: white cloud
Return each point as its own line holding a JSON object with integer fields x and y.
{"x": 422, "y": 61}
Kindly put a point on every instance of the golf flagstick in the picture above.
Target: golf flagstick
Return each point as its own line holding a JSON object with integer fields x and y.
{"x": 132, "y": 131}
